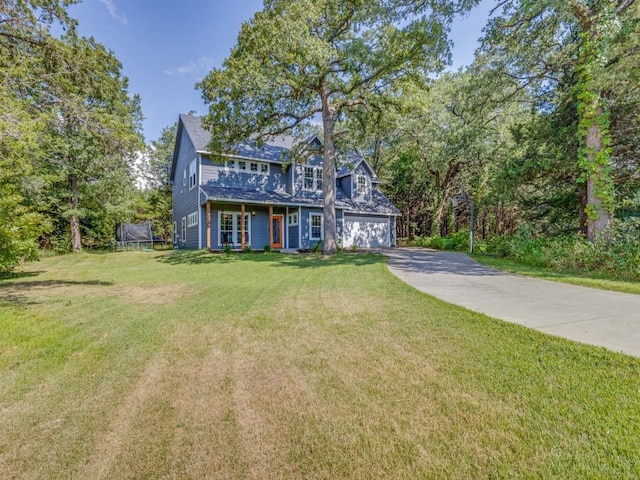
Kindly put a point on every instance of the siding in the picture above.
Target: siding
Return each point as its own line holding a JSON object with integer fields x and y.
{"x": 214, "y": 173}
{"x": 345, "y": 184}
{"x": 185, "y": 201}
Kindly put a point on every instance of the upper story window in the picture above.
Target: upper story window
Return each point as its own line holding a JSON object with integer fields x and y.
{"x": 184, "y": 177}
{"x": 192, "y": 174}
{"x": 362, "y": 186}
{"x": 244, "y": 166}
{"x": 312, "y": 179}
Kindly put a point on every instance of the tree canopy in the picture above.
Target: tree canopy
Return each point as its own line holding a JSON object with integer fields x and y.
{"x": 297, "y": 61}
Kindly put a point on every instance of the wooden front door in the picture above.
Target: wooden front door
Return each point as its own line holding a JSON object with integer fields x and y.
{"x": 277, "y": 222}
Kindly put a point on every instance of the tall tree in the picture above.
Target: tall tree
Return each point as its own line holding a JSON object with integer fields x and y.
{"x": 73, "y": 93}
{"x": 539, "y": 44}
{"x": 299, "y": 59}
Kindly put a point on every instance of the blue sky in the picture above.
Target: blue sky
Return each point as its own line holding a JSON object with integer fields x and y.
{"x": 167, "y": 46}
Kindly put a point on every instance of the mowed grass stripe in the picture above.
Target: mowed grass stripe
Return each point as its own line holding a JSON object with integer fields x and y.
{"x": 195, "y": 365}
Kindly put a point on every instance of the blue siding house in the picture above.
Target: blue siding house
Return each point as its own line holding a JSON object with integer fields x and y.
{"x": 257, "y": 197}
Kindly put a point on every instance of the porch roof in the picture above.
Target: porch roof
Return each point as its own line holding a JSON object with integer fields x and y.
{"x": 379, "y": 204}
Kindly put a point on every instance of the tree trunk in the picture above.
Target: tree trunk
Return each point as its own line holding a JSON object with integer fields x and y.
{"x": 74, "y": 221}
{"x": 599, "y": 217}
{"x": 445, "y": 197}
{"x": 328, "y": 178}
{"x": 582, "y": 192}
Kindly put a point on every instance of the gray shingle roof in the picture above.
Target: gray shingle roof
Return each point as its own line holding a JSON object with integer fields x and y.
{"x": 275, "y": 149}
{"x": 379, "y": 205}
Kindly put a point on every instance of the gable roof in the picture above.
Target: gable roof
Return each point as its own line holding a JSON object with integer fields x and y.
{"x": 353, "y": 161}
{"x": 274, "y": 149}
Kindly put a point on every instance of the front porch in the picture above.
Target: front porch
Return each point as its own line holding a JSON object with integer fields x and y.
{"x": 243, "y": 225}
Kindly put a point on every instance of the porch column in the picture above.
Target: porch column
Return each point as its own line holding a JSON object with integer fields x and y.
{"x": 208, "y": 226}
{"x": 242, "y": 226}
{"x": 270, "y": 225}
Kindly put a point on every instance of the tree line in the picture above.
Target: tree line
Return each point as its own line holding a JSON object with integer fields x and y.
{"x": 69, "y": 134}
{"x": 542, "y": 130}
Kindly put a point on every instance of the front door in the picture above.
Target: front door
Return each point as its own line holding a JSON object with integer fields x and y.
{"x": 277, "y": 225}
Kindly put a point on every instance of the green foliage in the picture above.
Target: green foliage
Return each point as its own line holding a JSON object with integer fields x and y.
{"x": 317, "y": 248}
{"x": 572, "y": 253}
{"x": 298, "y": 59}
{"x": 69, "y": 125}
{"x": 458, "y": 241}
{"x": 587, "y": 52}
{"x": 227, "y": 249}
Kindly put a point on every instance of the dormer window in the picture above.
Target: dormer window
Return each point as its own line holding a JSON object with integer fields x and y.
{"x": 312, "y": 178}
{"x": 362, "y": 186}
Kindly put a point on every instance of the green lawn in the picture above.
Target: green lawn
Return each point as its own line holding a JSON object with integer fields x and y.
{"x": 574, "y": 278}
{"x": 255, "y": 366}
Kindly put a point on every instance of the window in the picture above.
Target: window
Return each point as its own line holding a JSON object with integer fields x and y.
{"x": 175, "y": 232}
{"x": 254, "y": 167}
{"x": 293, "y": 219}
{"x": 230, "y": 228}
{"x": 308, "y": 178}
{"x": 184, "y": 229}
{"x": 316, "y": 226}
{"x": 184, "y": 177}
{"x": 192, "y": 219}
{"x": 312, "y": 178}
{"x": 361, "y": 186}
{"x": 192, "y": 174}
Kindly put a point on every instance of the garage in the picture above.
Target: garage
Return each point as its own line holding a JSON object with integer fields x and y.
{"x": 365, "y": 231}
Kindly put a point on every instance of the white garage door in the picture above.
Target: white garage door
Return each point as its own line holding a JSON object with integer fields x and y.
{"x": 366, "y": 231}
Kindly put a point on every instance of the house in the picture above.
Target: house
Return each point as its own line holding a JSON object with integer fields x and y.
{"x": 257, "y": 197}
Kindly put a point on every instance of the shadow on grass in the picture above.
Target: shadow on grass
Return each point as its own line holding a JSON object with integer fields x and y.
{"x": 15, "y": 292}
{"x": 311, "y": 260}
{"x": 14, "y": 275}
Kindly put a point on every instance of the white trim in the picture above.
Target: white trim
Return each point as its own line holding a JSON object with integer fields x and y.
{"x": 299, "y": 227}
{"x": 286, "y": 228}
{"x": 234, "y": 227}
{"x": 193, "y": 175}
{"x": 183, "y": 233}
{"x": 175, "y": 232}
{"x": 321, "y": 215}
{"x": 192, "y": 219}
{"x": 317, "y": 174}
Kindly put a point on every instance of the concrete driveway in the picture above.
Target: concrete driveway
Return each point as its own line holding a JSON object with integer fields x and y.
{"x": 597, "y": 317}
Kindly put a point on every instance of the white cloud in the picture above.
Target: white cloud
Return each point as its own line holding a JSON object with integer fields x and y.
{"x": 196, "y": 69}
{"x": 113, "y": 11}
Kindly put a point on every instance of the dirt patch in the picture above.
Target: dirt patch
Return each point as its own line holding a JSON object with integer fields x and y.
{"x": 152, "y": 294}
